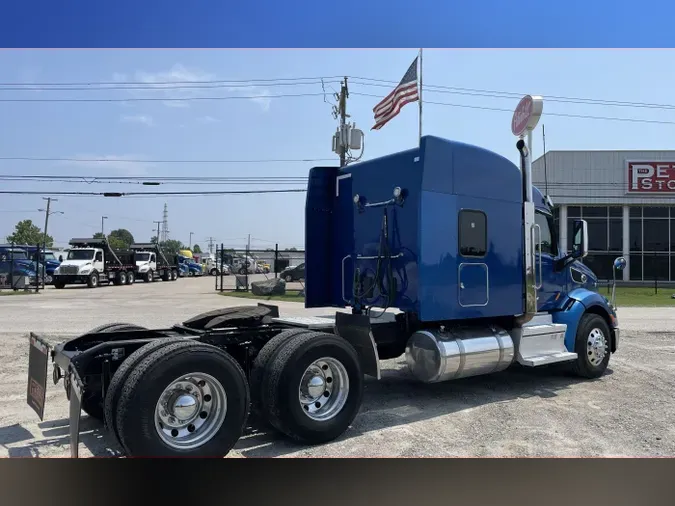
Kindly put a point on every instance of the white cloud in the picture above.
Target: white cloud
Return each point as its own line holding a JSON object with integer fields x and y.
{"x": 138, "y": 118}
{"x": 193, "y": 81}
{"x": 97, "y": 165}
{"x": 164, "y": 84}
{"x": 260, "y": 96}
{"x": 208, "y": 119}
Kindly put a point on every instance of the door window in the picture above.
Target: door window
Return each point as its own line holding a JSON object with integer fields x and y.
{"x": 99, "y": 256}
{"x": 547, "y": 237}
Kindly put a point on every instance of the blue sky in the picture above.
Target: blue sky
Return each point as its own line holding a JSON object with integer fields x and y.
{"x": 288, "y": 128}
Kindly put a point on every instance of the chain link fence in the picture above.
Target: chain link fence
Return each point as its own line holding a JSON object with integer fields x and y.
{"x": 236, "y": 269}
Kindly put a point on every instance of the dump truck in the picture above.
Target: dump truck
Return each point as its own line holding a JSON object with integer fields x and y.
{"x": 445, "y": 254}
{"x": 91, "y": 262}
{"x": 152, "y": 263}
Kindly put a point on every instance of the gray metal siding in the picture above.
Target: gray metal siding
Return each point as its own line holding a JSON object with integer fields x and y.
{"x": 595, "y": 177}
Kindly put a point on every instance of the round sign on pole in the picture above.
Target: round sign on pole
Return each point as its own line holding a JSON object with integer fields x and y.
{"x": 527, "y": 114}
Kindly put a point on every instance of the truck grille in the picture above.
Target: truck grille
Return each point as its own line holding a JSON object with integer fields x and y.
{"x": 68, "y": 269}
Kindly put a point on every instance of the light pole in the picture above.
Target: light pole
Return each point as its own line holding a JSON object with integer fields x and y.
{"x": 102, "y": 230}
{"x": 190, "y": 246}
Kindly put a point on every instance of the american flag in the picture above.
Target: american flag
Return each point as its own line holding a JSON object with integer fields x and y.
{"x": 404, "y": 93}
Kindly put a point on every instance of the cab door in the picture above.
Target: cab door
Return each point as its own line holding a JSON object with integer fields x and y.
{"x": 99, "y": 261}
{"x": 550, "y": 282}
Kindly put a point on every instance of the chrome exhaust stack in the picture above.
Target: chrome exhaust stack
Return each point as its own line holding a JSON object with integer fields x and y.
{"x": 529, "y": 260}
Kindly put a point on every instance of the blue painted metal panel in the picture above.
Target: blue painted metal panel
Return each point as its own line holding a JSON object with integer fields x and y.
{"x": 319, "y": 224}
{"x": 473, "y": 285}
{"x": 440, "y": 258}
{"x": 374, "y": 181}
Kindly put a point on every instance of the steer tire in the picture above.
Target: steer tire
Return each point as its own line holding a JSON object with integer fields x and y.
{"x": 135, "y": 418}
{"x": 583, "y": 367}
{"x": 117, "y": 382}
{"x": 59, "y": 285}
{"x": 92, "y": 280}
{"x": 281, "y": 383}
{"x": 261, "y": 362}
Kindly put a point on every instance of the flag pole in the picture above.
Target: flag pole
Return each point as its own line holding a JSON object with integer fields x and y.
{"x": 420, "y": 97}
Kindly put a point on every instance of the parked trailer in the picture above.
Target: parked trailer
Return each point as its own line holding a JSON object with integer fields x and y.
{"x": 452, "y": 236}
{"x": 152, "y": 263}
{"x": 93, "y": 261}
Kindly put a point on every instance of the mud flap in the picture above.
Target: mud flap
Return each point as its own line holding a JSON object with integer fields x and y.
{"x": 76, "y": 389}
{"x": 355, "y": 328}
{"x": 38, "y": 357}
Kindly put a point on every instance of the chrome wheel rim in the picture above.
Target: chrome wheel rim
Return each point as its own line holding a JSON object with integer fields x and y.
{"x": 596, "y": 347}
{"x": 324, "y": 388}
{"x": 190, "y": 411}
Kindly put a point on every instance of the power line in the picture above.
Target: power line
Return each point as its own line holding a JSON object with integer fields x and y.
{"x": 153, "y": 87}
{"x": 294, "y": 81}
{"x": 206, "y": 81}
{"x": 149, "y": 194}
{"x": 510, "y": 94}
{"x": 559, "y": 114}
{"x": 138, "y": 160}
{"x": 160, "y": 99}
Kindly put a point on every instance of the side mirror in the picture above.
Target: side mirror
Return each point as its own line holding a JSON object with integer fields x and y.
{"x": 580, "y": 242}
{"x": 620, "y": 263}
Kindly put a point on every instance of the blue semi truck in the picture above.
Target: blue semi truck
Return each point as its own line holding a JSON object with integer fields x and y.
{"x": 445, "y": 254}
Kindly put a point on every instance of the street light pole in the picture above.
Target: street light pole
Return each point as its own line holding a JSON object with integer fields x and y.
{"x": 102, "y": 230}
{"x": 190, "y": 246}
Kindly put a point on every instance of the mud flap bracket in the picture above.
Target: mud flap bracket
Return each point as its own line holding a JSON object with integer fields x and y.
{"x": 355, "y": 328}
{"x": 76, "y": 389}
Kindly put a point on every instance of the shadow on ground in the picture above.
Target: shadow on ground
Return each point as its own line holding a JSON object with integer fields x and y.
{"x": 397, "y": 399}
{"x": 55, "y": 435}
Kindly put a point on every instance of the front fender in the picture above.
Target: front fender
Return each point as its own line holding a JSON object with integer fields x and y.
{"x": 573, "y": 307}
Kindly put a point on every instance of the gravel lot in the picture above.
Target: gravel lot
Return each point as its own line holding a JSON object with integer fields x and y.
{"x": 520, "y": 412}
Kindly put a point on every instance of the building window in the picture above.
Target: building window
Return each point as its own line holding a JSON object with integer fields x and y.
{"x": 635, "y": 235}
{"x": 635, "y": 268}
{"x": 472, "y": 233}
{"x": 652, "y": 243}
{"x": 605, "y": 237}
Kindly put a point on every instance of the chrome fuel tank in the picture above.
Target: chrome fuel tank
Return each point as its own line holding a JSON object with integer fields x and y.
{"x": 441, "y": 355}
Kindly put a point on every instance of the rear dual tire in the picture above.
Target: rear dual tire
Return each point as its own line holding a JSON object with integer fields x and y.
{"x": 308, "y": 386}
{"x": 205, "y": 408}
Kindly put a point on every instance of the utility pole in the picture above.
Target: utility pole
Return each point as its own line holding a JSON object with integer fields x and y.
{"x": 347, "y": 136}
{"x": 158, "y": 223}
{"x": 190, "y": 246}
{"x": 102, "y": 218}
{"x": 342, "y": 111}
{"x": 44, "y": 236}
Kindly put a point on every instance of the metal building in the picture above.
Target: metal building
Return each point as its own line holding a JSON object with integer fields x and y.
{"x": 628, "y": 200}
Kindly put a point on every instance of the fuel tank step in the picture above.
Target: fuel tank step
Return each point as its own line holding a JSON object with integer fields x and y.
{"x": 541, "y": 343}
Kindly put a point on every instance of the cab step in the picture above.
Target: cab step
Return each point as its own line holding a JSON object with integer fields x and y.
{"x": 541, "y": 342}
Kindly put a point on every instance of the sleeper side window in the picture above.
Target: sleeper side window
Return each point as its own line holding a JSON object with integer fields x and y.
{"x": 472, "y": 233}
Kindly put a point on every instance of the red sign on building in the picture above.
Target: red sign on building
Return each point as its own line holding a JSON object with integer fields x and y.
{"x": 651, "y": 177}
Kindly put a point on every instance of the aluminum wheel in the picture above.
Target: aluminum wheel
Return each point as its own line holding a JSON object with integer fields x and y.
{"x": 190, "y": 411}
{"x": 596, "y": 347}
{"x": 324, "y": 389}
